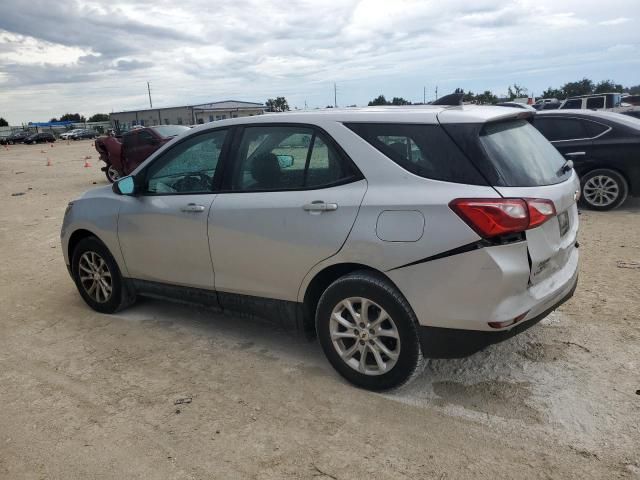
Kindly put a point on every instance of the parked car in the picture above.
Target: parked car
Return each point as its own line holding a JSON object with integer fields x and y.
{"x": 18, "y": 137}
{"x": 122, "y": 155}
{"x": 597, "y": 101}
{"x": 43, "y": 137}
{"x": 378, "y": 229}
{"x": 83, "y": 134}
{"x": 67, "y": 135}
{"x": 604, "y": 148}
{"x": 546, "y": 104}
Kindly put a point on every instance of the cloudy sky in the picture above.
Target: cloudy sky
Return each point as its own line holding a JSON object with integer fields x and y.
{"x": 93, "y": 56}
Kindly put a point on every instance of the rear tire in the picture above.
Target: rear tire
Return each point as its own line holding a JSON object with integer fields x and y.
{"x": 603, "y": 189}
{"x": 98, "y": 277}
{"x": 378, "y": 350}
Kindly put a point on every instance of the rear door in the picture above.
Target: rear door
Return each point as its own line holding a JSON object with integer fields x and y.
{"x": 290, "y": 197}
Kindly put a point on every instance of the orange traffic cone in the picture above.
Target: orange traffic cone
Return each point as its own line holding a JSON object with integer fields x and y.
{"x": 86, "y": 164}
{"x": 49, "y": 162}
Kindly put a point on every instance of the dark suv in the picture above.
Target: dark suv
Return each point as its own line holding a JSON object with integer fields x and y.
{"x": 17, "y": 137}
{"x": 43, "y": 137}
{"x": 82, "y": 134}
{"x": 604, "y": 148}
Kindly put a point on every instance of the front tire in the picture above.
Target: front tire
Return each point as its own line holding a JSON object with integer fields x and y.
{"x": 369, "y": 332}
{"x": 98, "y": 277}
{"x": 112, "y": 173}
{"x": 604, "y": 189}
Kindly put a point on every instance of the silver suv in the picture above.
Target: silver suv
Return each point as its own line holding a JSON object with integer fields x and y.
{"x": 378, "y": 229}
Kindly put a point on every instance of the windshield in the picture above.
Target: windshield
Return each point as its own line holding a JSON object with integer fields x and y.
{"x": 521, "y": 156}
{"x": 170, "y": 130}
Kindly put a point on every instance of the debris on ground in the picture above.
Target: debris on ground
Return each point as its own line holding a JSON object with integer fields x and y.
{"x": 623, "y": 264}
{"x": 181, "y": 401}
{"x": 17, "y": 194}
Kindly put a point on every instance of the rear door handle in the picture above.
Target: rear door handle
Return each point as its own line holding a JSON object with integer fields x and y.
{"x": 192, "y": 207}
{"x": 320, "y": 206}
{"x": 575, "y": 154}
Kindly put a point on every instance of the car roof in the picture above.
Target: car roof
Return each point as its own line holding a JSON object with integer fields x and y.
{"x": 428, "y": 114}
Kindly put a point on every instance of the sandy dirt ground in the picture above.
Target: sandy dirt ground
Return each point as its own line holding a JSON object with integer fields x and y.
{"x": 84, "y": 395}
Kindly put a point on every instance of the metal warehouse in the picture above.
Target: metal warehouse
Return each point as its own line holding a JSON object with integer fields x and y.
{"x": 186, "y": 115}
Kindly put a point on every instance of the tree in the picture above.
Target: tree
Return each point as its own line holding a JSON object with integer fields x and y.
{"x": 634, "y": 90}
{"x": 607, "y": 86}
{"x": 581, "y": 87}
{"x": 3, "y": 122}
{"x": 486, "y": 97}
{"x": 379, "y": 100}
{"x": 400, "y": 101}
{"x": 278, "y": 104}
{"x": 517, "y": 91}
{"x": 99, "y": 117}
{"x": 553, "y": 93}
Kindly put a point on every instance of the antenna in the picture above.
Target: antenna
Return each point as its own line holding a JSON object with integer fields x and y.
{"x": 149, "y": 90}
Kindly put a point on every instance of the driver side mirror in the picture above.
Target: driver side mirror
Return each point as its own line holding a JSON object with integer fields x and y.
{"x": 285, "y": 161}
{"x": 125, "y": 186}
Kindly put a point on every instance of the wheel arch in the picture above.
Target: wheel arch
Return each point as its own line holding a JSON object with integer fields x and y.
{"x": 76, "y": 237}
{"x": 319, "y": 283}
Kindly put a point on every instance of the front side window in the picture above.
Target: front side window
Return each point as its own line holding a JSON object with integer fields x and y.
{"x": 575, "y": 103}
{"x": 286, "y": 158}
{"x": 189, "y": 167}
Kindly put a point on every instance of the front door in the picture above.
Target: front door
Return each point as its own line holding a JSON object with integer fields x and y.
{"x": 163, "y": 231}
{"x": 289, "y": 200}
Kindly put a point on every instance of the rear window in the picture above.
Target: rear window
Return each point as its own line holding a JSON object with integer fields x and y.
{"x": 425, "y": 150}
{"x": 520, "y": 155}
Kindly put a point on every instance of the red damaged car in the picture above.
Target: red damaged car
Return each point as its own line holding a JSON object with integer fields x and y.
{"x": 122, "y": 154}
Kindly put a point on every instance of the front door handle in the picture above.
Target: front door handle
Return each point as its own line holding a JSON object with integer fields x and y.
{"x": 575, "y": 154}
{"x": 192, "y": 207}
{"x": 320, "y": 206}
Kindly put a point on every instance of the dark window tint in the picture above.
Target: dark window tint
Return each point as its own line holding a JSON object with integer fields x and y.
{"x": 425, "y": 150}
{"x": 594, "y": 129}
{"x": 556, "y": 129}
{"x": 521, "y": 156}
{"x": 595, "y": 102}
{"x": 577, "y": 103}
{"x": 286, "y": 158}
{"x": 188, "y": 167}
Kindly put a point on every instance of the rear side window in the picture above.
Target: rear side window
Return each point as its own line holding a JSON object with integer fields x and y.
{"x": 521, "y": 156}
{"x": 595, "y": 102}
{"x": 556, "y": 129}
{"x": 425, "y": 150}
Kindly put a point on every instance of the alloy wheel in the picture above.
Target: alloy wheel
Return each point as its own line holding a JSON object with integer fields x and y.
{"x": 601, "y": 190}
{"x": 113, "y": 173}
{"x": 365, "y": 336}
{"x": 95, "y": 276}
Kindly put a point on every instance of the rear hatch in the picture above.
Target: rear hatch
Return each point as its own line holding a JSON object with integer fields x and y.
{"x": 520, "y": 163}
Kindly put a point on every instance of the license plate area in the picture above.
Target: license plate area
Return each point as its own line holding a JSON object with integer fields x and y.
{"x": 563, "y": 222}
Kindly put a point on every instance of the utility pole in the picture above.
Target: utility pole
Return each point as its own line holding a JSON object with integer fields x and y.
{"x": 424, "y": 95}
{"x": 436, "y": 92}
{"x": 335, "y": 95}
{"x": 149, "y": 90}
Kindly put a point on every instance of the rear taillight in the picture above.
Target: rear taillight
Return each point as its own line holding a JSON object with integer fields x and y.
{"x": 540, "y": 211}
{"x": 492, "y": 217}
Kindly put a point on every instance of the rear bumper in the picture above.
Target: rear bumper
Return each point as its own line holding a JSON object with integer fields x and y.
{"x": 453, "y": 343}
{"x": 491, "y": 284}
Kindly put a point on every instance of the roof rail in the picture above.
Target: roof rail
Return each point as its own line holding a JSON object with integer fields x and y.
{"x": 453, "y": 99}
